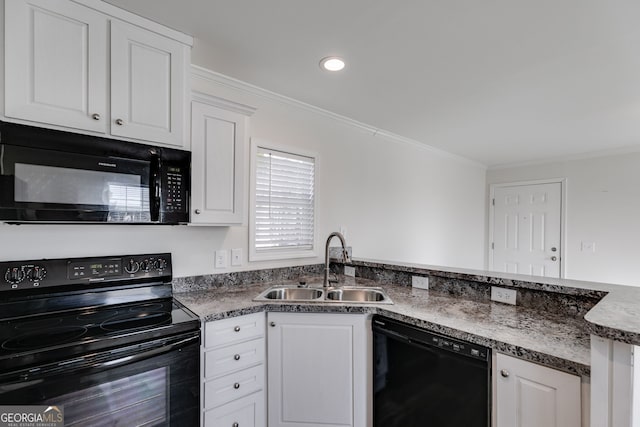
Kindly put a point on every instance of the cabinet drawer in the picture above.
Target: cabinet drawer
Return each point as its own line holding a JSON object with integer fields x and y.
{"x": 246, "y": 412}
{"x": 224, "y": 360}
{"x": 235, "y": 329}
{"x": 230, "y": 387}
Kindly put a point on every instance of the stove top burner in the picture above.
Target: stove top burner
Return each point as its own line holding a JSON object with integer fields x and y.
{"x": 44, "y": 338}
{"x": 76, "y": 327}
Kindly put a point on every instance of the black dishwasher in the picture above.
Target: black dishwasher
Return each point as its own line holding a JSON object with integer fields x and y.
{"x": 425, "y": 379}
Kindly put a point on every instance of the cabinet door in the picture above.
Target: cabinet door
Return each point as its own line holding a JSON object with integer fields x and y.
{"x": 530, "y": 395}
{"x": 218, "y": 151}
{"x": 147, "y": 85}
{"x": 56, "y": 64}
{"x": 316, "y": 369}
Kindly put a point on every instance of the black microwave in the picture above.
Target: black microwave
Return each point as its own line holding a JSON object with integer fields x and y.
{"x": 61, "y": 177}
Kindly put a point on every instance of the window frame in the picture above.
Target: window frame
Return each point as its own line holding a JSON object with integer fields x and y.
{"x": 280, "y": 254}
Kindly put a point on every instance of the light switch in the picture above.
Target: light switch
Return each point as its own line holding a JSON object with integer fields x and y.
{"x": 222, "y": 258}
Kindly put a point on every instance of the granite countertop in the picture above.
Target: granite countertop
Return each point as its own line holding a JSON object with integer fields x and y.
{"x": 616, "y": 316}
{"x": 558, "y": 341}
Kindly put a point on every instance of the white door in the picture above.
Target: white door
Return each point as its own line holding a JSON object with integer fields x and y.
{"x": 56, "y": 64}
{"x": 317, "y": 370}
{"x": 147, "y": 85}
{"x": 527, "y": 229}
{"x": 530, "y": 395}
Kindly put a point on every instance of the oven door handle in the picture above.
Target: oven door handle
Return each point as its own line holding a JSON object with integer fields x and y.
{"x": 147, "y": 354}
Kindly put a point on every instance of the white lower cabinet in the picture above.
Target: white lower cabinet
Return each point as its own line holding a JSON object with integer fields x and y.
{"x": 530, "y": 395}
{"x": 233, "y": 358}
{"x": 317, "y": 369}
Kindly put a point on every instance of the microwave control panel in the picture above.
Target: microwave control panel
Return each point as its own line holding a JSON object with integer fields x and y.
{"x": 174, "y": 194}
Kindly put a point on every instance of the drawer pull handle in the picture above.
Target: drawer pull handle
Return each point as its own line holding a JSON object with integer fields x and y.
{"x": 236, "y": 386}
{"x": 237, "y": 329}
{"x": 235, "y": 425}
{"x": 504, "y": 373}
{"x": 236, "y": 357}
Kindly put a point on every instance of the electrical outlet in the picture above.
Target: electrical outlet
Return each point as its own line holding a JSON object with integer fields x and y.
{"x": 222, "y": 258}
{"x": 420, "y": 282}
{"x": 236, "y": 256}
{"x": 349, "y": 271}
{"x": 507, "y": 296}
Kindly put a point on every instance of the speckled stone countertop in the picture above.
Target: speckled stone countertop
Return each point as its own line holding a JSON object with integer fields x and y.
{"x": 616, "y": 316}
{"x": 550, "y": 339}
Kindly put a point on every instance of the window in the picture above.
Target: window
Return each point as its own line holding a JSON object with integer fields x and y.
{"x": 282, "y": 203}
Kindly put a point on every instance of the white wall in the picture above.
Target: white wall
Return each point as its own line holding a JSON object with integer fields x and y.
{"x": 398, "y": 201}
{"x": 603, "y": 206}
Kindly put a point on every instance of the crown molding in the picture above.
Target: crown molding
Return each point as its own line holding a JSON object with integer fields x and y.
{"x": 233, "y": 83}
{"x": 225, "y": 104}
{"x": 570, "y": 158}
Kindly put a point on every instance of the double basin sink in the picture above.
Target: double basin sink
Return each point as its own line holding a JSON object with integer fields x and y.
{"x": 349, "y": 294}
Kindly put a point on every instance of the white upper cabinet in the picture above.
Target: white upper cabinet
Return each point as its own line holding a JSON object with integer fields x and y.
{"x": 63, "y": 70}
{"x": 56, "y": 64}
{"x": 147, "y": 85}
{"x": 218, "y": 147}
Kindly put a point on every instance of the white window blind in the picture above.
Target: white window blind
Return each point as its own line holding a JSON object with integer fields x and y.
{"x": 284, "y": 201}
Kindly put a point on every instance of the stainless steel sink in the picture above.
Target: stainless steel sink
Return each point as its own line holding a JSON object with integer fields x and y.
{"x": 366, "y": 295}
{"x": 291, "y": 294}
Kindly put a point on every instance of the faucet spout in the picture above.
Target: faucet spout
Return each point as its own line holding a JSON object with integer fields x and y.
{"x": 345, "y": 255}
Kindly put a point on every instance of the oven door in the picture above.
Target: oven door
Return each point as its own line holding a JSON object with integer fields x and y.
{"x": 151, "y": 384}
{"x": 59, "y": 186}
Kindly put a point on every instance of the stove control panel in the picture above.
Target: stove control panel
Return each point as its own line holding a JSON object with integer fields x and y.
{"x": 25, "y": 275}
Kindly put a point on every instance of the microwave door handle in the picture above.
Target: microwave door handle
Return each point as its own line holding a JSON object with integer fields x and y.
{"x": 155, "y": 187}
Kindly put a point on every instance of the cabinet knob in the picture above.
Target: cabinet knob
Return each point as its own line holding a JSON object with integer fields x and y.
{"x": 504, "y": 373}
{"x": 235, "y": 425}
{"x": 273, "y": 324}
{"x": 236, "y": 386}
{"x": 197, "y": 211}
{"x": 236, "y": 357}
{"x": 95, "y": 116}
{"x": 237, "y": 329}
{"x": 119, "y": 122}
{"x": 554, "y": 249}
{"x": 554, "y": 258}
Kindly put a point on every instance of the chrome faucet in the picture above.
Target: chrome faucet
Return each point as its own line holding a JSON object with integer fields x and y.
{"x": 345, "y": 255}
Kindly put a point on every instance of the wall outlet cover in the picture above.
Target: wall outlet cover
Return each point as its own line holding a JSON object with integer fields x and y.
{"x": 420, "y": 282}
{"x": 222, "y": 257}
{"x": 349, "y": 271}
{"x": 236, "y": 256}
{"x": 507, "y": 296}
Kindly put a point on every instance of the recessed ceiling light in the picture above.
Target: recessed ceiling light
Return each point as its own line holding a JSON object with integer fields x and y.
{"x": 332, "y": 63}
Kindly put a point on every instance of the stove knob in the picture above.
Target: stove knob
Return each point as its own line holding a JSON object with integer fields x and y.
{"x": 131, "y": 266}
{"x": 162, "y": 264}
{"x": 14, "y": 275}
{"x": 153, "y": 264}
{"x": 144, "y": 265}
{"x": 36, "y": 274}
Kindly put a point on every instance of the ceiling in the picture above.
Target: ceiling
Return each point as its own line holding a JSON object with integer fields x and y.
{"x": 497, "y": 81}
